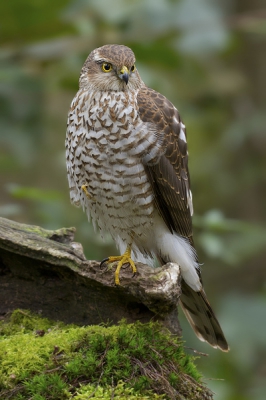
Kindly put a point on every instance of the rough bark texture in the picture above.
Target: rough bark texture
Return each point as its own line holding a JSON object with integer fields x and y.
{"x": 46, "y": 271}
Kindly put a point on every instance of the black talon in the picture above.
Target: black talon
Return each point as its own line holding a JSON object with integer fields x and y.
{"x": 103, "y": 261}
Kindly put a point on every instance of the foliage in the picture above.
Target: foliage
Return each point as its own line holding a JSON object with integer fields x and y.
{"x": 208, "y": 58}
{"x": 41, "y": 359}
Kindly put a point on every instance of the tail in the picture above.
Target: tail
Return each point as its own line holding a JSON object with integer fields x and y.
{"x": 201, "y": 317}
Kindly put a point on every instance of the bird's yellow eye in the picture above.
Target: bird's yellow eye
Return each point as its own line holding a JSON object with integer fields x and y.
{"x": 107, "y": 67}
{"x": 133, "y": 68}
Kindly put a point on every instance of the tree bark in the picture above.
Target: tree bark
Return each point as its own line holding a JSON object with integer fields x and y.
{"x": 47, "y": 272}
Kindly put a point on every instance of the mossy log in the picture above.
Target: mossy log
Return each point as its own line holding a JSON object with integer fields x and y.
{"x": 47, "y": 272}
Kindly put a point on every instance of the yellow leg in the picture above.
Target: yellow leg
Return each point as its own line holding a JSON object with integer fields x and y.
{"x": 85, "y": 190}
{"x": 123, "y": 259}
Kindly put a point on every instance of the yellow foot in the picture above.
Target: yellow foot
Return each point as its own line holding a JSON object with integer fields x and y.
{"x": 123, "y": 259}
{"x": 85, "y": 190}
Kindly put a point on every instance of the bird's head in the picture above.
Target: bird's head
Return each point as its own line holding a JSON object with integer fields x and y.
{"x": 110, "y": 68}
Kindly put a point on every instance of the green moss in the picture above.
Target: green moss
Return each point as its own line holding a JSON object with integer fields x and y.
{"x": 50, "y": 386}
{"x": 24, "y": 322}
{"x": 120, "y": 391}
{"x": 41, "y": 359}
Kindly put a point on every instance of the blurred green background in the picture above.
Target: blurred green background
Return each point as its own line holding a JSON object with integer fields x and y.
{"x": 209, "y": 58}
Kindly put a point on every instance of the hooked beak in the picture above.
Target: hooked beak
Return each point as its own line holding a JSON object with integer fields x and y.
{"x": 124, "y": 74}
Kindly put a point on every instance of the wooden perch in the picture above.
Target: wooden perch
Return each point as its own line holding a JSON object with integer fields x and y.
{"x": 47, "y": 272}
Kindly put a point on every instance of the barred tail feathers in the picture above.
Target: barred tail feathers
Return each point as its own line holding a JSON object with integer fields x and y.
{"x": 201, "y": 317}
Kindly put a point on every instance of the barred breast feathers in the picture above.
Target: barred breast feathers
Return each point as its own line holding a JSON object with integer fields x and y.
{"x": 108, "y": 141}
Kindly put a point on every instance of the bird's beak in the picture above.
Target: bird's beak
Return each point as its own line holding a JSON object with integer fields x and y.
{"x": 124, "y": 74}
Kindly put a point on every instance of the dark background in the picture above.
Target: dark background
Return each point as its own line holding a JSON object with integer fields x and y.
{"x": 209, "y": 58}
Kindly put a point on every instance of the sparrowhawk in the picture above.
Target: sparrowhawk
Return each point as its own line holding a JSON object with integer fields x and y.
{"x": 127, "y": 165}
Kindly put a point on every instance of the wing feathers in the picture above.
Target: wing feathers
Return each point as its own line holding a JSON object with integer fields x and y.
{"x": 170, "y": 181}
{"x": 169, "y": 176}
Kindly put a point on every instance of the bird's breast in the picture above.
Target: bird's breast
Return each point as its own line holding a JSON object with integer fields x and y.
{"x": 110, "y": 149}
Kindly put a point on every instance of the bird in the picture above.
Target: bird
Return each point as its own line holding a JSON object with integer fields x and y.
{"x": 127, "y": 167}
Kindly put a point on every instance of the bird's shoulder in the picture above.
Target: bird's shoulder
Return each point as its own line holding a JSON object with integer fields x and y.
{"x": 169, "y": 175}
{"x": 156, "y": 109}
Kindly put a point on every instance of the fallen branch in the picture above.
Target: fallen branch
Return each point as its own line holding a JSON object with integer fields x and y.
{"x": 47, "y": 272}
